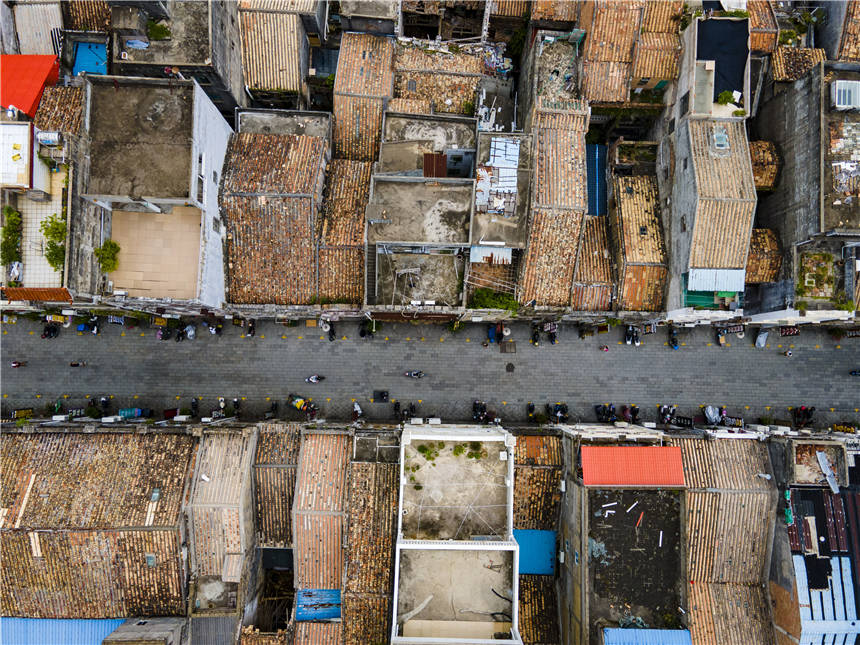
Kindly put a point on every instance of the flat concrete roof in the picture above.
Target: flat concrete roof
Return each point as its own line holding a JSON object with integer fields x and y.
{"x": 140, "y": 139}
{"x": 841, "y": 170}
{"x": 385, "y": 9}
{"x": 312, "y": 124}
{"x": 188, "y": 43}
{"x": 444, "y": 132}
{"x": 419, "y": 210}
{"x": 509, "y": 227}
{"x": 404, "y": 277}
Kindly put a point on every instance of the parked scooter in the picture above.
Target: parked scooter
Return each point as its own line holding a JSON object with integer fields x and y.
{"x": 237, "y": 406}
{"x": 628, "y": 335}
{"x": 365, "y": 329}
{"x": 105, "y": 403}
{"x": 215, "y": 328}
{"x": 357, "y": 412}
{"x": 92, "y": 326}
{"x": 314, "y": 378}
{"x": 331, "y": 333}
{"x": 252, "y": 327}
{"x": 302, "y": 404}
{"x": 163, "y": 333}
{"x": 803, "y": 416}
{"x": 626, "y": 414}
{"x": 557, "y": 412}
{"x": 721, "y": 336}
{"x": 414, "y": 374}
{"x": 673, "y": 338}
{"x": 195, "y": 407}
{"x": 712, "y": 415}
{"x": 530, "y": 410}
{"x": 273, "y": 410}
{"x": 634, "y": 413}
{"x": 667, "y": 414}
{"x": 397, "y": 413}
{"x": 479, "y": 411}
{"x": 536, "y": 334}
{"x": 855, "y": 372}
{"x": 51, "y": 330}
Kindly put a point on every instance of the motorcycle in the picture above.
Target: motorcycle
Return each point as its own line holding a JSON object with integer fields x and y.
{"x": 636, "y": 340}
{"x": 51, "y": 330}
{"x": 163, "y": 333}
{"x": 331, "y": 332}
{"x": 237, "y": 405}
{"x": 414, "y": 374}
{"x": 180, "y": 335}
{"x": 397, "y": 413}
{"x": 626, "y": 414}
{"x": 530, "y": 409}
{"x": 409, "y": 413}
{"x": 535, "y": 334}
{"x": 92, "y": 326}
{"x": 673, "y": 338}
{"x": 273, "y": 410}
{"x": 195, "y": 407}
{"x": 712, "y": 415}
{"x": 357, "y": 412}
{"x": 667, "y": 414}
{"x": 628, "y": 335}
{"x": 190, "y": 331}
{"x": 365, "y": 329}
{"x": 215, "y": 329}
{"x": 855, "y": 372}
{"x": 302, "y": 404}
{"x": 491, "y": 333}
{"x": 252, "y": 327}
{"x": 314, "y": 378}
{"x": 479, "y": 411}
{"x": 557, "y": 412}
{"x": 721, "y": 336}
{"x": 634, "y": 413}
{"x": 105, "y": 403}
{"x": 802, "y": 416}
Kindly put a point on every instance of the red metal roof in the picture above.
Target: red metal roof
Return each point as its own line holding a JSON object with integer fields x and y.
{"x": 47, "y": 294}
{"x": 23, "y": 78}
{"x": 632, "y": 466}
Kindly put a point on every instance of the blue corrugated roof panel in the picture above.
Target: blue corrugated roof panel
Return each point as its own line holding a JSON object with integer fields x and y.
{"x": 617, "y": 636}
{"x": 317, "y": 604}
{"x": 537, "y": 551}
{"x": 595, "y": 155}
{"x": 56, "y": 631}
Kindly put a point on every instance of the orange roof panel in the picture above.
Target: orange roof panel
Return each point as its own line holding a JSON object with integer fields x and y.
{"x": 632, "y": 466}
{"x": 24, "y": 78}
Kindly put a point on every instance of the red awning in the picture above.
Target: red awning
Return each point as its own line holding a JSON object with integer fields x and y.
{"x": 58, "y": 294}
{"x": 632, "y": 466}
{"x": 23, "y": 78}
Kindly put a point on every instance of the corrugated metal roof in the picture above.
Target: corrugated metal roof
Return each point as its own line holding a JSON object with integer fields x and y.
{"x": 317, "y": 604}
{"x": 271, "y": 44}
{"x": 220, "y": 630}
{"x": 632, "y": 466}
{"x": 308, "y": 633}
{"x": 39, "y": 631}
{"x": 285, "y": 6}
{"x": 537, "y": 551}
{"x": 716, "y": 280}
{"x": 618, "y": 636}
{"x": 595, "y": 155}
{"x": 491, "y": 254}
{"x": 38, "y": 25}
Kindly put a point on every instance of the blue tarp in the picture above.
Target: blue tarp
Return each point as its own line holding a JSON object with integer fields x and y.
{"x": 616, "y": 636}
{"x": 90, "y": 58}
{"x": 317, "y": 604}
{"x": 39, "y": 631}
{"x": 537, "y": 551}
{"x": 595, "y": 155}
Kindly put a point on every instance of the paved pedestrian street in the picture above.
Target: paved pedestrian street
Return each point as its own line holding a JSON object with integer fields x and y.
{"x": 138, "y": 370}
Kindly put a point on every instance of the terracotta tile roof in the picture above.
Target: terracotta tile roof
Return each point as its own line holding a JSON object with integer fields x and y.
{"x": 92, "y": 573}
{"x": 273, "y": 163}
{"x": 308, "y": 633}
{"x": 270, "y": 250}
{"x": 632, "y": 466}
{"x": 511, "y": 8}
{"x": 286, "y": 6}
{"x": 46, "y": 294}
{"x": 663, "y": 16}
{"x": 318, "y": 552}
{"x": 322, "y": 473}
{"x": 613, "y": 30}
{"x": 560, "y": 177}
{"x": 605, "y": 81}
{"x": 764, "y": 31}
{"x": 271, "y": 51}
{"x": 409, "y": 106}
{"x": 550, "y": 257}
{"x": 89, "y": 481}
{"x": 537, "y": 497}
{"x": 721, "y": 234}
{"x": 591, "y": 297}
{"x": 60, "y": 109}
{"x": 253, "y": 636}
{"x": 365, "y": 619}
{"x": 792, "y": 63}
{"x": 275, "y": 482}
{"x": 765, "y": 164}
{"x": 593, "y": 264}
{"x": 365, "y": 66}
{"x": 849, "y": 49}
{"x": 448, "y": 93}
{"x": 637, "y": 208}
{"x": 711, "y": 624}
{"x": 415, "y": 58}
{"x": 426, "y": 7}
{"x": 347, "y": 191}
{"x": 657, "y": 56}
{"x": 561, "y": 10}
{"x": 641, "y": 288}
{"x": 87, "y": 15}
{"x": 342, "y": 274}
{"x": 538, "y": 609}
{"x": 357, "y": 127}
{"x": 538, "y": 450}
{"x": 724, "y": 464}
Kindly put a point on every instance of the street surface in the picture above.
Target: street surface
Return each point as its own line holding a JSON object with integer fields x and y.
{"x": 138, "y": 370}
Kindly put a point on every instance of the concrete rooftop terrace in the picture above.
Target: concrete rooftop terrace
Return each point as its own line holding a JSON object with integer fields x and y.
{"x": 188, "y": 43}
{"x": 312, "y": 124}
{"x": 140, "y": 138}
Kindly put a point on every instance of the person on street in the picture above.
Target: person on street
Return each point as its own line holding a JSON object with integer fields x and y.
{"x": 787, "y": 354}
{"x": 78, "y": 364}
{"x": 604, "y": 348}
{"x": 19, "y": 363}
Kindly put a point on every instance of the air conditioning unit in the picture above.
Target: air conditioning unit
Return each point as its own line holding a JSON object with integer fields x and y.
{"x": 845, "y": 95}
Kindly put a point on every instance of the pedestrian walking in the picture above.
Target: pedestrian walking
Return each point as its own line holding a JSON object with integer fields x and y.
{"x": 19, "y": 363}
{"x": 604, "y": 348}
{"x": 78, "y": 364}
{"x": 787, "y": 354}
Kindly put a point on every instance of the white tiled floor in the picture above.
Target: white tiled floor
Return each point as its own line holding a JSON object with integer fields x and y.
{"x": 37, "y": 272}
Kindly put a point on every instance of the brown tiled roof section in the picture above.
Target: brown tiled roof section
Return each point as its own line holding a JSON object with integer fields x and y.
{"x": 849, "y": 49}
{"x": 510, "y": 8}
{"x": 417, "y": 58}
{"x": 365, "y": 619}
{"x": 342, "y": 274}
{"x": 641, "y": 287}
{"x": 357, "y": 127}
{"x": 722, "y": 174}
{"x": 270, "y": 250}
{"x": 322, "y": 473}
{"x": 365, "y": 65}
{"x": 764, "y": 32}
{"x": 88, "y": 481}
{"x": 612, "y": 31}
{"x": 561, "y": 10}
{"x": 308, "y": 633}
{"x": 591, "y": 297}
{"x": 536, "y": 497}
{"x": 318, "y": 552}
{"x": 792, "y": 63}
{"x": 286, "y": 6}
{"x": 637, "y": 208}
{"x": 538, "y": 450}
{"x": 657, "y": 56}
{"x": 38, "y": 294}
{"x": 60, "y": 109}
{"x": 764, "y": 260}
{"x": 275, "y": 482}
{"x": 91, "y": 574}
{"x": 409, "y": 106}
{"x": 87, "y": 15}
{"x": 273, "y": 163}
{"x": 560, "y": 178}
{"x": 426, "y": 7}
{"x": 347, "y": 191}
{"x": 372, "y": 506}
{"x": 724, "y": 464}
{"x": 550, "y": 257}
{"x": 711, "y": 624}
{"x": 765, "y": 164}
{"x": 271, "y": 51}
{"x": 593, "y": 262}
{"x": 449, "y": 93}
{"x": 253, "y": 636}
{"x": 538, "y": 610}
{"x": 277, "y": 444}
{"x": 605, "y": 81}
{"x": 721, "y": 234}
{"x": 663, "y": 16}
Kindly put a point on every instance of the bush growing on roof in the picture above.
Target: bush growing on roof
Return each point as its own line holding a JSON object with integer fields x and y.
{"x": 10, "y": 239}
{"x": 54, "y": 230}
{"x": 725, "y": 97}
{"x": 157, "y": 31}
{"x": 107, "y": 255}
{"x": 484, "y": 298}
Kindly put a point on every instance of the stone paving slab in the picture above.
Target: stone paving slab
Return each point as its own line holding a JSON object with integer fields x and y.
{"x": 139, "y": 370}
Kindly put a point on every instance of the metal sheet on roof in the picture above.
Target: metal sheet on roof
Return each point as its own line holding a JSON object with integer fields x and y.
{"x": 537, "y": 551}
{"x": 618, "y": 636}
{"x": 716, "y": 280}
{"x": 220, "y": 630}
{"x": 632, "y": 466}
{"x": 491, "y": 254}
{"x": 38, "y": 631}
{"x": 826, "y": 614}
{"x": 595, "y": 155}
{"x": 317, "y": 604}
{"x": 39, "y": 25}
